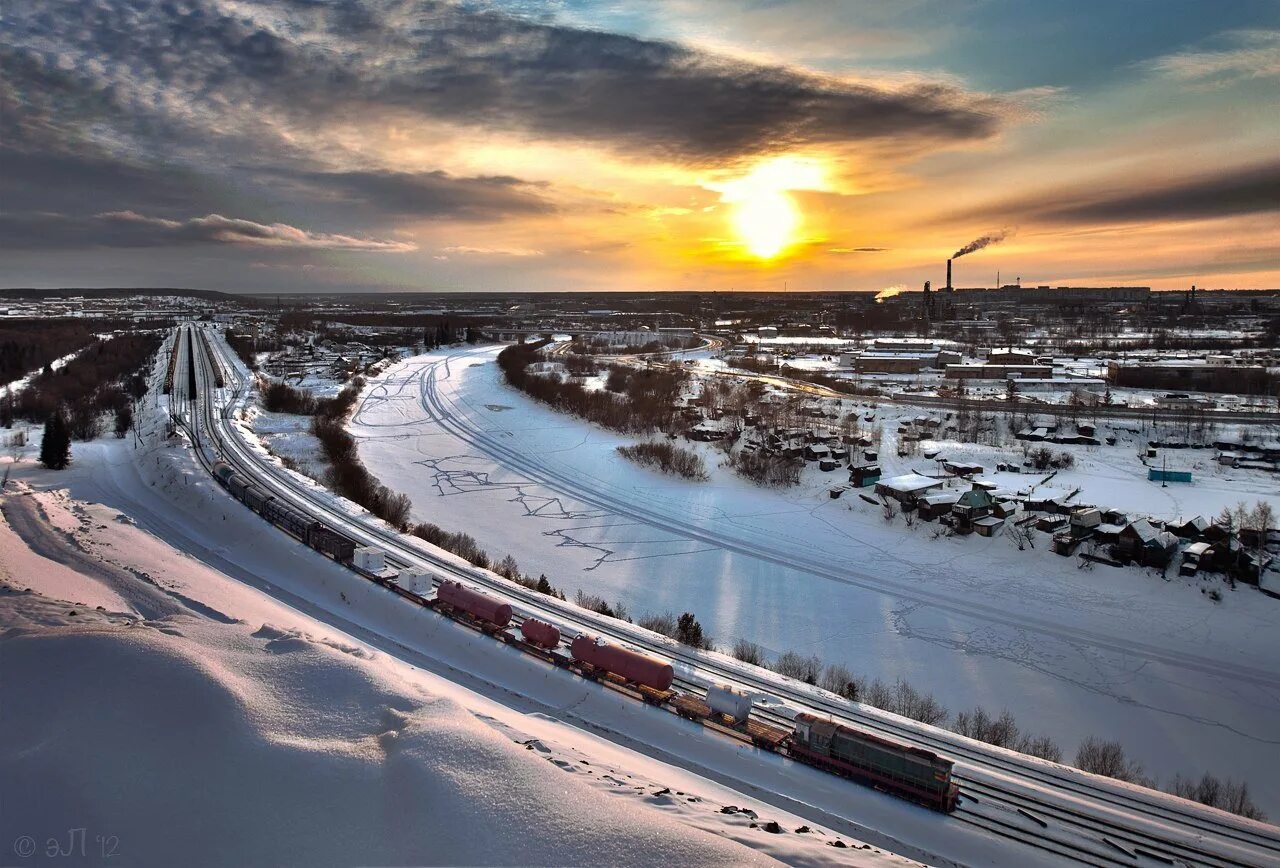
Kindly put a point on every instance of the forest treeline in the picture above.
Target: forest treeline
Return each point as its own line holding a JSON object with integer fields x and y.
{"x": 104, "y": 378}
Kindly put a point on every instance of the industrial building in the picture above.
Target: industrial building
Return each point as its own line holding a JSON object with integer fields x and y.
{"x": 1238, "y": 379}
{"x": 998, "y": 372}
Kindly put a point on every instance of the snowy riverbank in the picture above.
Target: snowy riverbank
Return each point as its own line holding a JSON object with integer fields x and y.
{"x": 1187, "y": 685}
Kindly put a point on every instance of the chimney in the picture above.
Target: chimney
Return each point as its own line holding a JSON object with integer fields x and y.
{"x": 948, "y": 275}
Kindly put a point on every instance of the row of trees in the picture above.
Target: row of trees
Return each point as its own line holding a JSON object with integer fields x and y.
{"x": 684, "y": 628}
{"x": 347, "y": 474}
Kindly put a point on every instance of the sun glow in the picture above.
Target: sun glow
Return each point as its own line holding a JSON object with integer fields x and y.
{"x": 765, "y": 216}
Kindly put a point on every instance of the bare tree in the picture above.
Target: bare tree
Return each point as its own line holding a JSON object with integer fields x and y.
{"x": 799, "y": 667}
{"x": 1108, "y": 758}
{"x": 748, "y": 652}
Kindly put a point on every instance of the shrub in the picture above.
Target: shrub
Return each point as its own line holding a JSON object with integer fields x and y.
{"x": 837, "y": 679}
{"x": 282, "y": 398}
{"x": 1003, "y": 732}
{"x": 775, "y": 471}
{"x": 55, "y": 448}
{"x": 598, "y": 605}
{"x": 667, "y": 457}
{"x": 461, "y": 544}
{"x": 689, "y": 631}
{"x": 748, "y": 652}
{"x": 664, "y": 623}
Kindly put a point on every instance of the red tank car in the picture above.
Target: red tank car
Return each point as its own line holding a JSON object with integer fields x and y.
{"x": 540, "y": 633}
{"x": 474, "y": 603}
{"x": 632, "y": 666}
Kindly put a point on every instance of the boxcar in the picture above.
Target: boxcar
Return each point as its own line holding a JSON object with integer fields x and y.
{"x": 916, "y": 774}
{"x": 288, "y": 519}
{"x": 332, "y": 543}
{"x": 237, "y": 484}
{"x": 255, "y": 498}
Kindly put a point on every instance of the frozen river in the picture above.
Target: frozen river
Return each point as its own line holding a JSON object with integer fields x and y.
{"x": 1187, "y": 685}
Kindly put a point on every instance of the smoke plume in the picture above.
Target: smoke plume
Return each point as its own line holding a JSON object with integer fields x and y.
{"x": 984, "y": 241}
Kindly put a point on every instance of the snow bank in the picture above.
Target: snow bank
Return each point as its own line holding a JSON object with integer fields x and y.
{"x": 199, "y": 744}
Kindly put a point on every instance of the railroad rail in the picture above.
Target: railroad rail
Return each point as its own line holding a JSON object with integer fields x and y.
{"x": 1106, "y": 822}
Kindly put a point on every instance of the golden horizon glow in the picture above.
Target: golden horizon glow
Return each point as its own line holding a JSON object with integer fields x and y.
{"x": 765, "y": 217}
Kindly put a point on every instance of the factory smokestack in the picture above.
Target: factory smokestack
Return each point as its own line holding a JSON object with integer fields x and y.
{"x": 949, "y": 275}
{"x": 978, "y": 244}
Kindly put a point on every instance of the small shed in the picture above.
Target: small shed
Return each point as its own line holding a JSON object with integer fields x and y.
{"x": 988, "y": 525}
{"x": 1156, "y": 474}
{"x": 1083, "y": 521}
{"x": 817, "y": 452}
{"x": 932, "y": 506}
{"x": 1192, "y": 528}
{"x": 1143, "y": 542}
{"x": 962, "y": 468}
{"x": 862, "y": 475}
{"x": 1192, "y": 558}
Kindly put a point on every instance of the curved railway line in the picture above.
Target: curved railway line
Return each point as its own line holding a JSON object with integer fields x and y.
{"x": 1078, "y": 817}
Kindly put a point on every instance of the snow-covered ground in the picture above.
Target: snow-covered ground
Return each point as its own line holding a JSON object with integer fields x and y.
{"x": 188, "y": 686}
{"x": 1186, "y": 684}
{"x": 289, "y": 438}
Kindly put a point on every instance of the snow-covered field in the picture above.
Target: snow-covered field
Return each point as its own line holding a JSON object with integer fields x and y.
{"x": 183, "y": 684}
{"x": 1186, "y": 684}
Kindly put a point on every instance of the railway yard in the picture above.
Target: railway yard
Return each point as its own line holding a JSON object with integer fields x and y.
{"x": 1048, "y": 808}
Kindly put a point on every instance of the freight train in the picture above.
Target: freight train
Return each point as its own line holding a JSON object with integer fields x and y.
{"x": 909, "y": 772}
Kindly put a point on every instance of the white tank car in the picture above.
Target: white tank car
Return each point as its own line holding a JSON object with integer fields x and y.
{"x": 727, "y": 701}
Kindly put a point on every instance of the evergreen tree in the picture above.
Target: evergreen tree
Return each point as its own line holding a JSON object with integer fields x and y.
{"x": 124, "y": 420}
{"x": 55, "y": 448}
{"x": 689, "y": 631}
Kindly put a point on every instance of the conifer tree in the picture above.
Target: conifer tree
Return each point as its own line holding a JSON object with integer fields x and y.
{"x": 55, "y": 448}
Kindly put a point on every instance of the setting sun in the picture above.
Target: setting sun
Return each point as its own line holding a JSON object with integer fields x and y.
{"x": 766, "y": 222}
{"x": 765, "y": 217}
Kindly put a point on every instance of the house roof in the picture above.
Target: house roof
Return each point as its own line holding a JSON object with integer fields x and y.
{"x": 1144, "y": 530}
{"x": 910, "y": 482}
{"x": 975, "y": 497}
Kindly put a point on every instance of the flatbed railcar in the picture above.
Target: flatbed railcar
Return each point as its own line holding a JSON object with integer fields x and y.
{"x": 901, "y": 770}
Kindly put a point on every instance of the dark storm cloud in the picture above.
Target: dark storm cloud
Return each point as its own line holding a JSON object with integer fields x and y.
{"x": 1241, "y": 191}
{"x": 425, "y": 195}
{"x": 165, "y": 68}
{"x": 1251, "y": 190}
{"x": 173, "y": 109}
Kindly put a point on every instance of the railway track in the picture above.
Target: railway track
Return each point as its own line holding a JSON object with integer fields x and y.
{"x": 1113, "y": 824}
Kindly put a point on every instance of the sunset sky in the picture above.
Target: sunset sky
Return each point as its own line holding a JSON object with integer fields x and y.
{"x": 668, "y": 144}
